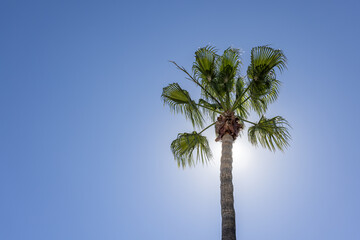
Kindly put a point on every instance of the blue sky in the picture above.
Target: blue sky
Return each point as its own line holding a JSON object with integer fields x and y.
{"x": 84, "y": 136}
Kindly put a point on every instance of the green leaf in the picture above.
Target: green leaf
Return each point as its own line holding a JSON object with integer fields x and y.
{"x": 204, "y": 65}
{"x": 179, "y": 101}
{"x": 263, "y": 60}
{"x": 228, "y": 67}
{"x": 206, "y": 90}
{"x": 206, "y": 70}
{"x": 270, "y": 133}
{"x": 185, "y": 144}
{"x": 263, "y": 85}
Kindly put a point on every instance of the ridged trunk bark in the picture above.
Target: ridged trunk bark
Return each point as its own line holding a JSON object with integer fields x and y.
{"x": 227, "y": 189}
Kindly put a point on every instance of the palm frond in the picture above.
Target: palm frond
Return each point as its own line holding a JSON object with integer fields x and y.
{"x": 259, "y": 105}
{"x": 206, "y": 70}
{"x": 206, "y": 91}
{"x": 228, "y": 65}
{"x": 204, "y": 65}
{"x": 263, "y": 60}
{"x": 263, "y": 85}
{"x": 270, "y": 133}
{"x": 185, "y": 144}
{"x": 180, "y": 101}
{"x": 261, "y": 95}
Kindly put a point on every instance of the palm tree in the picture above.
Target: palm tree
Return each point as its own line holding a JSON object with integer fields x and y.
{"x": 227, "y": 99}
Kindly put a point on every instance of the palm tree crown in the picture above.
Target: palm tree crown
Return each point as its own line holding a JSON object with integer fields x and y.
{"x": 227, "y": 98}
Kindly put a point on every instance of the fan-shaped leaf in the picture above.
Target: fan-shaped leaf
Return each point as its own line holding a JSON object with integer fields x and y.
{"x": 185, "y": 144}
{"x": 263, "y": 85}
{"x": 270, "y": 133}
{"x": 263, "y": 60}
{"x": 206, "y": 70}
{"x": 179, "y": 101}
{"x": 204, "y": 65}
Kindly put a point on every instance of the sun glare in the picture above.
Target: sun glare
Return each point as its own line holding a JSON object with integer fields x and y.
{"x": 241, "y": 154}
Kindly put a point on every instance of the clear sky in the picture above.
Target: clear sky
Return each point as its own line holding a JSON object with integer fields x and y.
{"x": 84, "y": 136}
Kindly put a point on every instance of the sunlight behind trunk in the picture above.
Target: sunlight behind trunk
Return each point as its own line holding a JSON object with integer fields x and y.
{"x": 242, "y": 156}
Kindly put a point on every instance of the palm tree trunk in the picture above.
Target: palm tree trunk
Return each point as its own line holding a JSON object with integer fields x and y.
{"x": 226, "y": 189}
